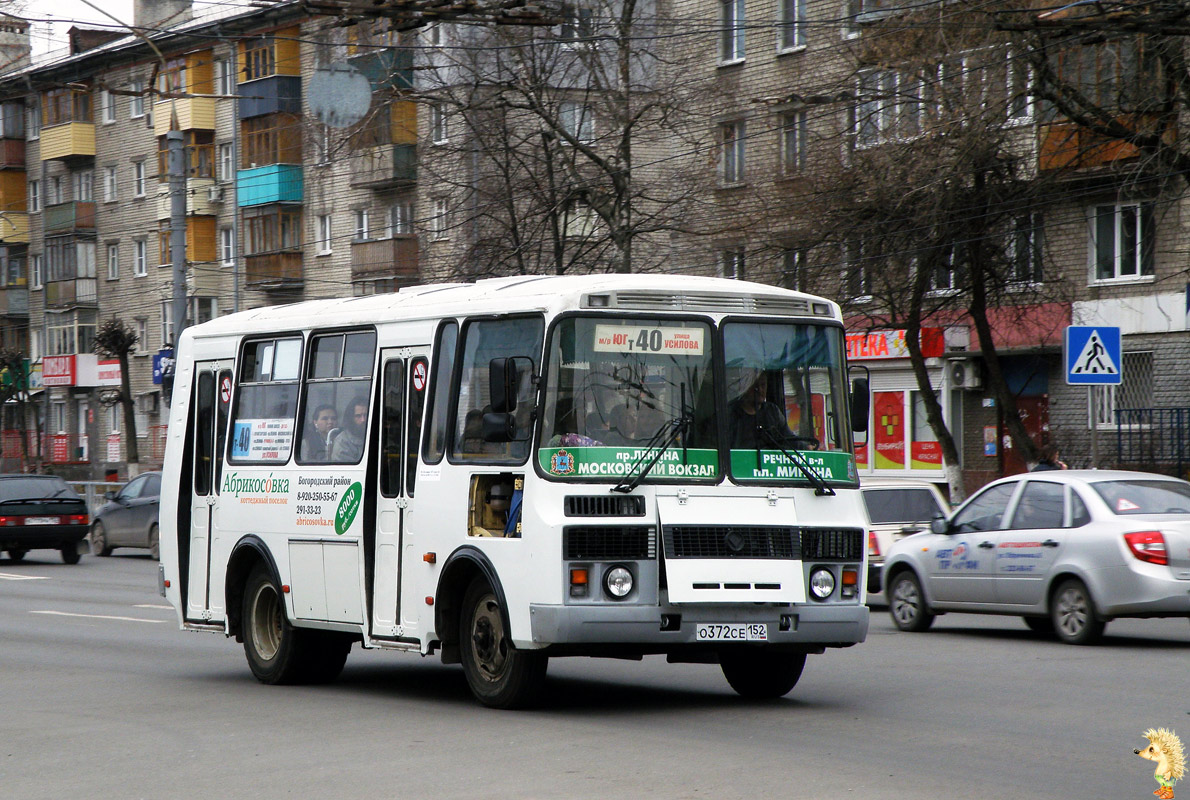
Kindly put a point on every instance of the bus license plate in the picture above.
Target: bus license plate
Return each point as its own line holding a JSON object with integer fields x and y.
{"x": 737, "y": 632}
{"x": 41, "y": 520}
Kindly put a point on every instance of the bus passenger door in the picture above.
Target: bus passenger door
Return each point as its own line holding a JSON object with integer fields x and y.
{"x": 402, "y": 400}
{"x": 210, "y": 404}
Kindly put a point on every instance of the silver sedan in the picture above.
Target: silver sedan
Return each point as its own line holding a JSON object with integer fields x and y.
{"x": 1068, "y": 550}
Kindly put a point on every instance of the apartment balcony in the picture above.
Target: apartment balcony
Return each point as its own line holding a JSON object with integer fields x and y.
{"x": 272, "y": 95}
{"x": 14, "y": 227}
{"x": 385, "y": 166}
{"x": 386, "y": 258}
{"x": 275, "y": 183}
{"x": 14, "y": 301}
{"x": 276, "y": 271}
{"x": 12, "y": 153}
{"x": 70, "y": 141}
{"x": 204, "y": 197}
{"x": 69, "y": 217}
{"x": 71, "y": 292}
{"x": 386, "y": 69}
{"x": 194, "y": 113}
{"x": 1064, "y": 145}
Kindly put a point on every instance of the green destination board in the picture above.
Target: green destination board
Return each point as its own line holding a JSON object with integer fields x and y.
{"x": 616, "y": 462}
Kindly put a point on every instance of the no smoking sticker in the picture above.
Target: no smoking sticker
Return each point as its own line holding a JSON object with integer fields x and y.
{"x": 225, "y": 389}
{"x": 419, "y": 376}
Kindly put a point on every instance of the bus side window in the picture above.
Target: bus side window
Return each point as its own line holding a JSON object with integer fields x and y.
{"x": 444, "y": 358}
{"x": 266, "y": 402}
{"x": 203, "y": 456}
{"x": 391, "y": 428}
{"x": 336, "y": 398}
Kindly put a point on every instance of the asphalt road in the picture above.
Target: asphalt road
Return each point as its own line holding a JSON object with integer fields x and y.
{"x": 103, "y": 697}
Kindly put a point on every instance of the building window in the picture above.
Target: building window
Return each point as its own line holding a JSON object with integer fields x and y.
{"x": 271, "y": 229}
{"x": 793, "y": 141}
{"x": 324, "y": 234}
{"x": 107, "y": 107}
{"x": 140, "y": 262}
{"x": 34, "y": 197}
{"x": 225, "y": 77}
{"x": 1024, "y": 250}
{"x": 950, "y": 269}
{"x": 172, "y": 78}
{"x": 167, "y": 323}
{"x": 110, "y": 190}
{"x": 198, "y": 155}
{"x": 856, "y": 283}
{"x": 202, "y": 309}
{"x": 60, "y": 106}
{"x": 142, "y": 336}
{"x": 227, "y": 162}
{"x": 57, "y": 193}
{"x": 438, "y": 131}
{"x": 136, "y": 105}
{"x": 731, "y": 45}
{"x": 577, "y": 23}
{"x": 361, "y": 224}
{"x": 138, "y": 179}
{"x": 33, "y": 121}
{"x": 434, "y": 34}
{"x": 1134, "y": 391}
{"x": 227, "y": 246}
{"x": 789, "y": 31}
{"x": 439, "y": 224}
{"x": 113, "y": 416}
{"x": 260, "y": 60}
{"x": 793, "y": 268}
{"x": 113, "y": 262}
{"x": 84, "y": 186}
{"x": 271, "y": 139}
{"x": 731, "y": 263}
{"x": 731, "y": 137}
{"x": 875, "y": 114}
{"x": 400, "y": 219}
{"x": 36, "y": 273}
{"x": 1122, "y": 241}
{"x": 577, "y": 120}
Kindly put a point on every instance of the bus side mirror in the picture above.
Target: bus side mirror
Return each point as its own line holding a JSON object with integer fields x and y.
{"x": 502, "y": 385}
{"x": 861, "y": 404}
{"x": 498, "y": 426}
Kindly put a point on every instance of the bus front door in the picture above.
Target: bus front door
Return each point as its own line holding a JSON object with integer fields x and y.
{"x": 210, "y": 403}
{"x": 402, "y": 401}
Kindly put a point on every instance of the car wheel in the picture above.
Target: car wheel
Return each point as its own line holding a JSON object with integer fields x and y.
{"x": 907, "y": 603}
{"x": 99, "y": 545}
{"x": 1073, "y": 614}
{"x": 17, "y": 555}
{"x": 762, "y": 675}
{"x": 1043, "y": 625}
{"x": 499, "y": 675}
{"x": 70, "y": 553}
{"x": 277, "y": 652}
{"x": 155, "y": 543}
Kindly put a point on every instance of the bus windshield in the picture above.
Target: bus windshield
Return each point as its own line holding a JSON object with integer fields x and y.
{"x": 618, "y": 386}
{"x": 786, "y": 402}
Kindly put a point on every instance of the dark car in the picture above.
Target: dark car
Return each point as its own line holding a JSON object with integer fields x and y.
{"x": 40, "y": 512}
{"x": 129, "y": 517}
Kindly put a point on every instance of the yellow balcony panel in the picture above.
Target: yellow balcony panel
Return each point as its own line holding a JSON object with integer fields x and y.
{"x": 14, "y": 227}
{"x": 68, "y": 140}
{"x": 194, "y": 113}
{"x": 12, "y": 190}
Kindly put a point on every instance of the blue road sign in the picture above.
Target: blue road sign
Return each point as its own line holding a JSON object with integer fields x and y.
{"x": 1093, "y": 356}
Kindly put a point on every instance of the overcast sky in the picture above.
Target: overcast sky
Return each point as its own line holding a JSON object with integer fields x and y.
{"x": 65, "y": 13}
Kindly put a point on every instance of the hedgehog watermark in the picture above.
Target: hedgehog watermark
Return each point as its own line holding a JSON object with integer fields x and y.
{"x": 1166, "y": 749}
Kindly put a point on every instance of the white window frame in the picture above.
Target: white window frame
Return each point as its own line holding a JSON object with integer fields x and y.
{"x": 138, "y": 178}
{"x": 733, "y": 262}
{"x": 113, "y": 261}
{"x": 36, "y": 271}
{"x": 1139, "y": 210}
{"x": 793, "y": 141}
{"x": 33, "y": 123}
{"x": 322, "y": 234}
{"x": 791, "y": 34}
{"x": 142, "y": 336}
{"x": 227, "y": 246}
{"x": 439, "y": 129}
{"x": 225, "y": 76}
{"x": 34, "y": 196}
{"x": 107, "y": 107}
{"x": 577, "y": 120}
{"x": 1029, "y": 230}
{"x": 57, "y": 191}
{"x": 227, "y": 161}
{"x": 439, "y": 222}
{"x": 732, "y": 42}
{"x": 876, "y": 107}
{"x": 400, "y": 219}
{"x": 361, "y": 222}
{"x": 84, "y": 186}
{"x": 111, "y": 183}
{"x": 140, "y": 258}
{"x": 136, "y": 104}
{"x": 733, "y": 152}
{"x": 793, "y": 268}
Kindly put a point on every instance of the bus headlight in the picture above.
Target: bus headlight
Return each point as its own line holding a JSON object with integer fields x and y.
{"x": 822, "y": 583}
{"x": 617, "y": 581}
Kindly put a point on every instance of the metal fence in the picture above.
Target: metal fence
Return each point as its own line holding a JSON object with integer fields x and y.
{"x": 1157, "y": 439}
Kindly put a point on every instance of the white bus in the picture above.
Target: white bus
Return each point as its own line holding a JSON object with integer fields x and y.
{"x": 516, "y": 469}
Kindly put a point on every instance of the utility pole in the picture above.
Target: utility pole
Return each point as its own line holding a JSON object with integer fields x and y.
{"x": 177, "y": 227}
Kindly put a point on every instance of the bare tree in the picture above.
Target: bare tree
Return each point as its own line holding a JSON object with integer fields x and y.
{"x": 115, "y": 339}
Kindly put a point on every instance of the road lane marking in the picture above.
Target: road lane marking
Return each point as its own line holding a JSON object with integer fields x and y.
{"x": 97, "y": 616}
{"x": 9, "y": 576}
{"x": 153, "y": 605}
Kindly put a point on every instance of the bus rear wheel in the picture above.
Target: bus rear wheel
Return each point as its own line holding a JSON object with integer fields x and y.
{"x": 761, "y": 674}
{"x": 279, "y": 653}
{"x": 499, "y": 675}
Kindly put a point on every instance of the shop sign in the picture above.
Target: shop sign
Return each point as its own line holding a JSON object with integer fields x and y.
{"x": 58, "y": 371}
{"x": 875, "y": 345}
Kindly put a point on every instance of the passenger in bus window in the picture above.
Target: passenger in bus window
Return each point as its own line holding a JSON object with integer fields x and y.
{"x": 755, "y": 423}
{"x": 349, "y": 444}
{"x": 316, "y": 443}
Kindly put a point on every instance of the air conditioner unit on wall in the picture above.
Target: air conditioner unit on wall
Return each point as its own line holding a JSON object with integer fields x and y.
{"x": 215, "y": 194}
{"x": 966, "y": 374}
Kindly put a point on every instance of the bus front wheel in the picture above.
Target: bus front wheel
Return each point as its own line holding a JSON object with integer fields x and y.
{"x": 499, "y": 675}
{"x": 760, "y": 674}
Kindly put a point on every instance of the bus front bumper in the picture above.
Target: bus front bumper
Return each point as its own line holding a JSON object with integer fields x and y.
{"x": 673, "y": 627}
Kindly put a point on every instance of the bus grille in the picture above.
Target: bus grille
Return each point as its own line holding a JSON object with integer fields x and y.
{"x": 605, "y": 506}
{"x": 832, "y": 544}
{"x": 693, "y": 301}
{"x": 731, "y": 541}
{"x": 607, "y": 543}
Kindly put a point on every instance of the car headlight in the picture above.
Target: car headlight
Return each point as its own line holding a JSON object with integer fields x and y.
{"x": 822, "y": 583}
{"x": 617, "y": 581}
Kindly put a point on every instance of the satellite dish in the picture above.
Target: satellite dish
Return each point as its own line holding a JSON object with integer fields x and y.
{"x": 339, "y": 95}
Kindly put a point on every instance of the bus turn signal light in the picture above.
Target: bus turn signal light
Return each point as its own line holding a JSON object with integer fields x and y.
{"x": 578, "y": 583}
{"x": 430, "y": 558}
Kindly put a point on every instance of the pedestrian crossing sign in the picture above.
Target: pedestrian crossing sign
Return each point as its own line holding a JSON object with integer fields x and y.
{"x": 1093, "y": 356}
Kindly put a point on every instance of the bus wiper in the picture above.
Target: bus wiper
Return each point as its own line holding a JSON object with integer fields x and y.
{"x": 821, "y": 487}
{"x": 658, "y": 443}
